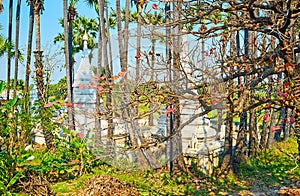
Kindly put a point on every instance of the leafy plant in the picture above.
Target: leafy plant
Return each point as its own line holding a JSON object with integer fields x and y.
{"x": 15, "y": 128}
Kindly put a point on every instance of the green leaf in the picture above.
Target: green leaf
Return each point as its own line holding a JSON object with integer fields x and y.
{"x": 2, "y": 84}
{"x": 12, "y": 102}
{"x": 24, "y": 158}
{"x": 15, "y": 178}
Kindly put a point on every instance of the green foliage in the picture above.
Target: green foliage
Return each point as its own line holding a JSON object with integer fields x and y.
{"x": 80, "y": 25}
{"x": 58, "y": 91}
{"x": 15, "y": 126}
{"x": 68, "y": 160}
{"x": 278, "y": 163}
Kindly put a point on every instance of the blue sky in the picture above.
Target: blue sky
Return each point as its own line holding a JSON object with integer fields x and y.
{"x": 49, "y": 28}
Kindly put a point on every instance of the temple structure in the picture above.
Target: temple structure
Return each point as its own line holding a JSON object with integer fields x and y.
{"x": 84, "y": 94}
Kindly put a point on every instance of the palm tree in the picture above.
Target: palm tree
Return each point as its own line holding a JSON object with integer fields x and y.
{"x": 38, "y": 7}
{"x": 123, "y": 34}
{"x": 17, "y": 47}
{"x": 29, "y": 49}
{"x": 106, "y": 68}
{"x": 9, "y": 37}
{"x": 80, "y": 25}
{"x": 4, "y": 44}
{"x": 68, "y": 56}
{"x": 98, "y": 128}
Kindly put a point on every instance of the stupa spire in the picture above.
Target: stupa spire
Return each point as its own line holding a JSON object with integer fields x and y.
{"x": 85, "y": 44}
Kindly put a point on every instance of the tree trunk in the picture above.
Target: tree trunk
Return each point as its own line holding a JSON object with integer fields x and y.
{"x": 296, "y": 91}
{"x": 107, "y": 73}
{"x": 138, "y": 55}
{"x": 17, "y": 48}
{"x": 151, "y": 118}
{"x": 68, "y": 58}
{"x": 288, "y": 124}
{"x": 39, "y": 76}
{"x": 271, "y": 135}
{"x": 227, "y": 158}
{"x": 253, "y": 137}
{"x": 123, "y": 34}
{"x": 98, "y": 133}
{"x": 240, "y": 153}
{"x": 29, "y": 49}
{"x": 266, "y": 124}
{"x": 9, "y": 40}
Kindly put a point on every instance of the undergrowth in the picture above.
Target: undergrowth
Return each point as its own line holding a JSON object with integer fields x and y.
{"x": 268, "y": 171}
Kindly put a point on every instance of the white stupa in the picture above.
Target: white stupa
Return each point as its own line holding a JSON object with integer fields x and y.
{"x": 84, "y": 93}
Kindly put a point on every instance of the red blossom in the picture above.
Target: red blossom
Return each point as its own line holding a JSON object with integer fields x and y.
{"x": 113, "y": 78}
{"x": 103, "y": 77}
{"x": 290, "y": 65}
{"x": 213, "y": 101}
{"x": 73, "y": 162}
{"x": 292, "y": 119}
{"x": 275, "y": 128}
{"x": 122, "y": 74}
{"x": 91, "y": 83}
{"x": 138, "y": 55}
{"x": 100, "y": 88}
{"x": 200, "y": 13}
{"x": 170, "y": 110}
{"x": 79, "y": 134}
{"x": 155, "y": 6}
{"x": 95, "y": 77}
{"x": 82, "y": 86}
{"x": 49, "y": 104}
{"x": 240, "y": 85}
{"x": 69, "y": 104}
{"x": 287, "y": 83}
{"x": 267, "y": 118}
{"x": 260, "y": 118}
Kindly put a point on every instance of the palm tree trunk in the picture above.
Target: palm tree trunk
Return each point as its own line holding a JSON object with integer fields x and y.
{"x": 107, "y": 73}
{"x": 68, "y": 17}
{"x": 9, "y": 38}
{"x": 17, "y": 47}
{"x": 39, "y": 74}
{"x": 29, "y": 48}
{"x": 109, "y": 41}
{"x": 98, "y": 128}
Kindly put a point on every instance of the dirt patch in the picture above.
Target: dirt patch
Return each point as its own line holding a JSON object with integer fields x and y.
{"x": 107, "y": 185}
